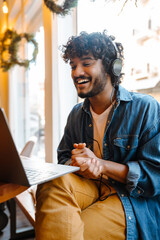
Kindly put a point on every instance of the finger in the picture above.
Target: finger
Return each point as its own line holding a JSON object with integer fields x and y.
{"x": 79, "y": 145}
{"x": 79, "y": 160}
{"x": 73, "y": 161}
{"x": 95, "y": 162}
{"x": 96, "y": 172}
{"x": 77, "y": 151}
{"x": 84, "y": 166}
{"x": 94, "y": 168}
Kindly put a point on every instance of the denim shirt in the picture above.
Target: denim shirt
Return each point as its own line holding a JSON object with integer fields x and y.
{"x": 132, "y": 137}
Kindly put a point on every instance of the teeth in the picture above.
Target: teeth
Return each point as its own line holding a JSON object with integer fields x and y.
{"x": 82, "y": 81}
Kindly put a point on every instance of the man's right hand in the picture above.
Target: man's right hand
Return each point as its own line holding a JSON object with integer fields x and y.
{"x": 87, "y": 161}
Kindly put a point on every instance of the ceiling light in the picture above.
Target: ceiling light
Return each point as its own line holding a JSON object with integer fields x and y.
{"x": 5, "y": 7}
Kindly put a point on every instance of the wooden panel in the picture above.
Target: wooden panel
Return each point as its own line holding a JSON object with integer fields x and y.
{"x": 9, "y": 190}
{"x": 26, "y": 201}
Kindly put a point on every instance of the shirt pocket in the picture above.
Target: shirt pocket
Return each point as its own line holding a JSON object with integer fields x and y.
{"x": 125, "y": 148}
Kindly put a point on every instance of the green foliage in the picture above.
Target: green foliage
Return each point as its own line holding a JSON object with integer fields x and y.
{"x": 9, "y": 45}
{"x": 62, "y": 10}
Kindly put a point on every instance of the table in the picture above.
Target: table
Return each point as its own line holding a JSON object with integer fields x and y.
{"x": 7, "y": 191}
{"x": 10, "y": 190}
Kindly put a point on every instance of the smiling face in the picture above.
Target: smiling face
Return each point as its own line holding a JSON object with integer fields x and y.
{"x": 88, "y": 75}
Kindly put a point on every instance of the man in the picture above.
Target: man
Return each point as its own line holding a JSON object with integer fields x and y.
{"x": 114, "y": 137}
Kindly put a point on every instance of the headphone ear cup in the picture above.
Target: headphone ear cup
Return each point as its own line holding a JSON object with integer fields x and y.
{"x": 116, "y": 67}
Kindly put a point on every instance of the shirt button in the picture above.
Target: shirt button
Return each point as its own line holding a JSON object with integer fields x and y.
{"x": 105, "y": 144}
{"x": 139, "y": 191}
{"x": 90, "y": 125}
{"x": 128, "y": 147}
{"x": 108, "y": 121}
{"x": 122, "y": 195}
{"x": 129, "y": 218}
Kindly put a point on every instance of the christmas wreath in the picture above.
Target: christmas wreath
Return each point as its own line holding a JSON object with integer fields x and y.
{"x": 68, "y": 4}
{"x": 9, "y": 45}
{"x": 62, "y": 10}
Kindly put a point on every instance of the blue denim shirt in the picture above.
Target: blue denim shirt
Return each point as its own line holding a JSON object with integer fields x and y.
{"x": 132, "y": 137}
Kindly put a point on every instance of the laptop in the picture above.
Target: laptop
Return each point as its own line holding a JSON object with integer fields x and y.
{"x": 22, "y": 170}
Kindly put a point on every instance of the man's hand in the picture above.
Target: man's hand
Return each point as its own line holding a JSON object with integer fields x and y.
{"x": 90, "y": 165}
{"x": 93, "y": 167}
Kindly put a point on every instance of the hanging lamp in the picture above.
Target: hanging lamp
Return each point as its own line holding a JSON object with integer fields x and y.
{"x": 5, "y": 7}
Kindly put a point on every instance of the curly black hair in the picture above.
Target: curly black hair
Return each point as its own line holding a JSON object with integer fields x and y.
{"x": 100, "y": 45}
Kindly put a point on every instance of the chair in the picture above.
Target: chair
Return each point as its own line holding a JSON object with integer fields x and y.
{"x": 28, "y": 148}
{"x": 25, "y": 201}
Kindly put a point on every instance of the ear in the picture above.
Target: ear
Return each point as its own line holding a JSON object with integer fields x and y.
{"x": 108, "y": 76}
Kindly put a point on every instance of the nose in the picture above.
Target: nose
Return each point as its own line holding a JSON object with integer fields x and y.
{"x": 78, "y": 71}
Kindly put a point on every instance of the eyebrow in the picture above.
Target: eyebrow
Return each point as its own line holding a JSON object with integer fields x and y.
{"x": 87, "y": 58}
{"x": 83, "y": 59}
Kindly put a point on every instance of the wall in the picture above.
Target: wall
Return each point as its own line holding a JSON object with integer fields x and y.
{"x": 3, "y": 76}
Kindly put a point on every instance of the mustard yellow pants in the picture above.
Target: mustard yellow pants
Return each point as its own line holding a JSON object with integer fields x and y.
{"x": 68, "y": 209}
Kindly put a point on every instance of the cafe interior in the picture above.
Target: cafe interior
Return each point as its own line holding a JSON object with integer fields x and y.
{"x": 36, "y": 89}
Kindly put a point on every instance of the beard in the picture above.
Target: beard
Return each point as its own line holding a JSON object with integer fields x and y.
{"x": 98, "y": 86}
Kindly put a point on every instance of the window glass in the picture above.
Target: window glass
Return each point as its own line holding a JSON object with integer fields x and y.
{"x": 35, "y": 118}
{"x": 136, "y": 26}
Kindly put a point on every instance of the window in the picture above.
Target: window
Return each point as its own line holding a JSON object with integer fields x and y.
{"x": 137, "y": 27}
{"x": 35, "y": 116}
{"x": 26, "y": 87}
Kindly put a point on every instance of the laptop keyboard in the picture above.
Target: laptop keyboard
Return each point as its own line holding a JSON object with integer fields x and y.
{"x": 35, "y": 175}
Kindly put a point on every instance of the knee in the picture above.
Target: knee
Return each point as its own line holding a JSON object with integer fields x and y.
{"x": 64, "y": 182}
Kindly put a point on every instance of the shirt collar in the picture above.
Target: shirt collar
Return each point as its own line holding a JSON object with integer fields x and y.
{"x": 122, "y": 95}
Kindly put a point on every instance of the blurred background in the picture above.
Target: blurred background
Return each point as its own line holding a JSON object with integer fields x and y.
{"x": 37, "y": 100}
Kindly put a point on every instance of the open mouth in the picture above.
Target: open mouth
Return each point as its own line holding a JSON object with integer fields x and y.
{"x": 82, "y": 81}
